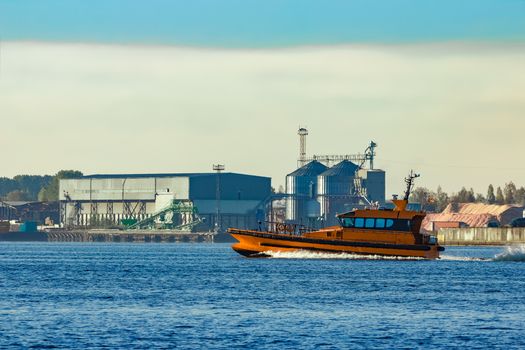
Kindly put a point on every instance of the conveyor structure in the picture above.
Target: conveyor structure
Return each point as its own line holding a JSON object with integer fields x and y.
{"x": 179, "y": 215}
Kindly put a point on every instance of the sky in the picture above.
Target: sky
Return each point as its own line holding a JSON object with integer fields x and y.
{"x": 258, "y": 23}
{"x": 176, "y": 86}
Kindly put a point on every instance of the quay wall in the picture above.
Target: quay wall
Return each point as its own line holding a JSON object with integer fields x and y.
{"x": 127, "y": 236}
{"x": 481, "y": 236}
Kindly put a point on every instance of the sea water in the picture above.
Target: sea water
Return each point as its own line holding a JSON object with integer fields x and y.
{"x": 162, "y": 296}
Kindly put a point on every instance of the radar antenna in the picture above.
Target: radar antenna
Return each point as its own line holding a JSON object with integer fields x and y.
{"x": 410, "y": 183}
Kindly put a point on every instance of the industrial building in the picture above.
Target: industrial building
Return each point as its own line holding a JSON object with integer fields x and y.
{"x": 39, "y": 212}
{"x": 220, "y": 200}
{"x": 318, "y": 190}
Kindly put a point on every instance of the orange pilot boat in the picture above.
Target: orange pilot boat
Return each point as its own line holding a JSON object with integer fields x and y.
{"x": 370, "y": 231}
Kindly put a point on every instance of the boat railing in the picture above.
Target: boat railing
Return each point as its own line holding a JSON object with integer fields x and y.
{"x": 284, "y": 228}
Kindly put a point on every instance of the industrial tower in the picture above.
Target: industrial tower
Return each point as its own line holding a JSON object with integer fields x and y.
{"x": 302, "y": 132}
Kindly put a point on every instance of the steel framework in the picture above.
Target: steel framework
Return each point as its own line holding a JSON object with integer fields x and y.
{"x": 359, "y": 158}
{"x": 180, "y": 215}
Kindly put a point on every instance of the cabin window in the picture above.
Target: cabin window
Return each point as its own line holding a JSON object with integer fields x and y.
{"x": 347, "y": 222}
{"x": 378, "y": 223}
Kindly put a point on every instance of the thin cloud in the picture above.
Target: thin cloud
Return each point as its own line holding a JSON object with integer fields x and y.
{"x": 125, "y": 108}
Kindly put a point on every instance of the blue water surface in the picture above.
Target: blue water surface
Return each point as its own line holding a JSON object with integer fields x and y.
{"x": 78, "y": 295}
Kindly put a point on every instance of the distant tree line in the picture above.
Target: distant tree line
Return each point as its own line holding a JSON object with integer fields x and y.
{"x": 437, "y": 201}
{"x": 34, "y": 187}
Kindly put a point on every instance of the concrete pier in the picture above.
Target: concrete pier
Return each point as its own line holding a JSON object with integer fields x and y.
{"x": 128, "y": 236}
{"x": 481, "y": 236}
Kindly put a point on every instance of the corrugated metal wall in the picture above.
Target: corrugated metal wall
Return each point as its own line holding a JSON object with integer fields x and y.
{"x": 233, "y": 187}
{"x": 375, "y": 185}
{"x": 302, "y": 186}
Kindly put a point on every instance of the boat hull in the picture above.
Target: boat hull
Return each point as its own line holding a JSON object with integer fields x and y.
{"x": 261, "y": 244}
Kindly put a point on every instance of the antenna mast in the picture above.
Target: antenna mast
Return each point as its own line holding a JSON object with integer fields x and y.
{"x": 410, "y": 183}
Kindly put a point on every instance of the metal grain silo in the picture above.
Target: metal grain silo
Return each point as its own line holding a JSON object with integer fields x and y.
{"x": 301, "y": 186}
{"x": 336, "y": 189}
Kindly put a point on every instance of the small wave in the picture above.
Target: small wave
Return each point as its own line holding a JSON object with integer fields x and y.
{"x": 461, "y": 258}
{"x": 513, "y": 253}
{"x": 304, "y": 254}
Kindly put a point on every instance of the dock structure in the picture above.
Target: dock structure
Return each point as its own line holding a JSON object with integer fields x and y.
{"x": 111, "y": 235}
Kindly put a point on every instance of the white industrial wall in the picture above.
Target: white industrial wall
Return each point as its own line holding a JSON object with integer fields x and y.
{"x": 128, "y": 189}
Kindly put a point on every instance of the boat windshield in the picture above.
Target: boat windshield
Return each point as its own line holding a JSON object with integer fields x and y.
{"x": 376, "y": 223}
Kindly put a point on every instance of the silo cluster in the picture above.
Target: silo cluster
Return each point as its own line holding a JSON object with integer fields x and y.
{"x": 317, "y": 193}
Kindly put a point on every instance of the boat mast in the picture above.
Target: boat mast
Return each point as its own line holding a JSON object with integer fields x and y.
{"x": 410, "y": 183}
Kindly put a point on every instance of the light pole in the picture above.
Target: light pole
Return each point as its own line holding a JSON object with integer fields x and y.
{"x": 218, "y": 168}
{"x": 123, "y": 206}
{"x": 67, "y": 198}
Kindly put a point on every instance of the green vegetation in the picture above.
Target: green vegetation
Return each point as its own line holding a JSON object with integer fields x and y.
{"x": 439, "y": 200}
{"x": 50, "y": 192}
{"x": 34, "y": 187}
{"x": 22, "y": 187}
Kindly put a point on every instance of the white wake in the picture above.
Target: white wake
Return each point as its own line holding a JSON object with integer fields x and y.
{"x": 512, "y": 253}
{"x": 305, "y": 254}
{"x": 462, "y": 258}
